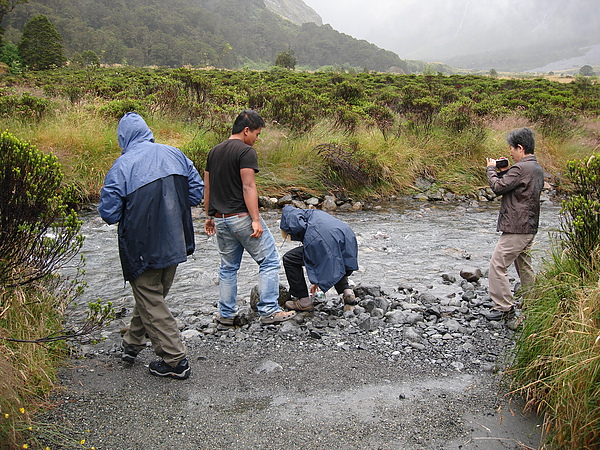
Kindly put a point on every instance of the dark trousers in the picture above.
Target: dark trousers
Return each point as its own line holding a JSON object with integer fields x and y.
{"x": 293, "y": 262}
{"x": 152, "y": 316}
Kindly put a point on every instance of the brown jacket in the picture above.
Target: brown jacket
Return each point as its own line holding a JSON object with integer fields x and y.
{"x": 520, "y": 187}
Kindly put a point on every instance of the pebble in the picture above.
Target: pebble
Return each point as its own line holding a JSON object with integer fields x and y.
{"x": 419, "y": 328}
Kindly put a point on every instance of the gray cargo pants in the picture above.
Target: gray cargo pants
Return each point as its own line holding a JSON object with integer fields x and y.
{"x": 152, "y": 316}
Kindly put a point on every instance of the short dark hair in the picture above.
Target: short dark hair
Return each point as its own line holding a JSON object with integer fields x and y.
{"x": 247, "y": 118}
{"x": 524, "y": 137}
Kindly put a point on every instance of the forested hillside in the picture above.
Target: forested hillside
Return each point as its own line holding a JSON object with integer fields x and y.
{"x": 220, "y": 33}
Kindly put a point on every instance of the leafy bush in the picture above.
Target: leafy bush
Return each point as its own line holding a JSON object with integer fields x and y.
{"x": 349, "y": 92}
{"x": 580, "y": 220}
{"x": 412, "y": 110}
{"x": 87, "y": 58}
{"x": 458, "y": 116}
{"x": 383, "y": 117}
{"x": 553, "y": 120}
{"x": 347, "y": 168}
{"x": 9, "y": 55}
{"x": 117, "y": 108}
{"x": 24, "y": 108}
{"x": 197, "y": 150}
{"x": 38, "y": 231}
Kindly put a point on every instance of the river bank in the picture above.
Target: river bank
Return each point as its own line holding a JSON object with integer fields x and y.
{"x": 415, "y": 365}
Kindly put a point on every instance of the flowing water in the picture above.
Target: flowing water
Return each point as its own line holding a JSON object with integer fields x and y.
{"x": 401, "y": 243}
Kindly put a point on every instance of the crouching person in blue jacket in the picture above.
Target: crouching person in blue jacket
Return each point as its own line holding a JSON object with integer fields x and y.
{"x": 149, "y": 191}
{"x": 329, "y": 252}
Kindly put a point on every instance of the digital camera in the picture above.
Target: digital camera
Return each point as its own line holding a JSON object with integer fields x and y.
{"x": 501, "y": 163}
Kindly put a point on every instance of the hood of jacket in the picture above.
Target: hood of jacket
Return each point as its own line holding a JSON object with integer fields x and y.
{"x": 133, "y": 129}
{"x": 295, "y": 221}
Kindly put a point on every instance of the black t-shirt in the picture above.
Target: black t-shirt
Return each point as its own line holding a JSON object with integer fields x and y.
{"x": 223, "y": 164}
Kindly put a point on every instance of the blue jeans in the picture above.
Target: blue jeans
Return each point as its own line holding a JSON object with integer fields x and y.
{"x": 233, "y": 236}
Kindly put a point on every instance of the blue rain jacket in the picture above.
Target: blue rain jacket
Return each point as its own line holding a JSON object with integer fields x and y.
{"x": 148, "y": 191}
{"x": 330, "y": 247}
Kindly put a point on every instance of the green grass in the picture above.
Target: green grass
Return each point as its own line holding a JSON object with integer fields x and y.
{"x": 28, "y": 369}
{"x": 86, "y": 145}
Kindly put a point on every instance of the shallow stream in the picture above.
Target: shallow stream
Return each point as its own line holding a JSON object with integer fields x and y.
{"x": 400, "y": 243}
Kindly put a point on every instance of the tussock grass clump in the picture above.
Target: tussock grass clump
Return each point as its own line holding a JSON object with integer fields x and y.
{"x": 557, "y": 363}
{"x": 28, "y": 369}
{"x": 346, "y": 167}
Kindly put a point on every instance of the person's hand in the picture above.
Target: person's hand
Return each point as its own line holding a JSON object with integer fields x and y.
{"x": 258, "y": 229}
{"x": 491, "y": 162}
{"x": 313, "y": 289}
{"x": 209, "y": 227}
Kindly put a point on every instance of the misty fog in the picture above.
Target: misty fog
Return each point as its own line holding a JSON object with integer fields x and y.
{"x": 448, "y": 30}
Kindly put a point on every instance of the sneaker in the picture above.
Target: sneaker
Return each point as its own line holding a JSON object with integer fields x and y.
{"x": 349, "y": 297}
{"x": 161, "y": 369}
{"x": 229, "y": 321}
{"x": 129, "y": 353}
{"x": 279, "y": 316}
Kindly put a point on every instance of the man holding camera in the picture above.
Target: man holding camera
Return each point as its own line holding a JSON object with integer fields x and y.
{"x": 520, "y": 186}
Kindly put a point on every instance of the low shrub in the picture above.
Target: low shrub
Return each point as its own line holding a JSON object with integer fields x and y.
{"x": 25, "y": 107}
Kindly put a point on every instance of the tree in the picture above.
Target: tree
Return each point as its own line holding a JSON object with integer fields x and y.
{"x": 9, "y": 55}
{"x": 87, "y": 58}
{"x": 286, "y": 59}
{"x": 41, "y": 45}
{"x": 7, "y": 6}
{"x": 587, "y": 71}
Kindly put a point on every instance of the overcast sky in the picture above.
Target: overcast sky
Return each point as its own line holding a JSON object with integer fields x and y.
{"x": 434, "y": 29}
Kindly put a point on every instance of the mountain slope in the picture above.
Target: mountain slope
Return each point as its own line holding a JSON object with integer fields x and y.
{"x": 220, "y": 33}
{"x": 294, "y": 10}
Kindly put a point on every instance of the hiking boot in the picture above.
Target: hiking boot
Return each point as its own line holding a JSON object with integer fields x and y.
{"x": 495, "y": 314}
{"x": 302, "y": 304}
{"x": 161, "y": 369}
{"x": 349, "y": 297}
{"x": 228, "y": 321}
{"x": 277, "y": 317}
{"x": 129, "y": 353}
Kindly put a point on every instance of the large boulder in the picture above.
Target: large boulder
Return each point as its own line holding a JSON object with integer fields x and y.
{"x": 284, "y": 296}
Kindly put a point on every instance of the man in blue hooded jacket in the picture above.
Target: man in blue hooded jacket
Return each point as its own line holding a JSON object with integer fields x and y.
{"x": 329, "y": 252}
{"x": 149, "y": 191}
